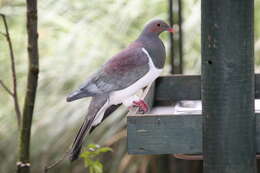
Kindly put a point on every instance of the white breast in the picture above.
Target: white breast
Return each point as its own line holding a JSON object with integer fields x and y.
{"x": 119, "y": 96}
{"x": 127, "y": 95}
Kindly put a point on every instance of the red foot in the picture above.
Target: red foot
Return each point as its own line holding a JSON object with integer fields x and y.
{"x": 143, "y": 107}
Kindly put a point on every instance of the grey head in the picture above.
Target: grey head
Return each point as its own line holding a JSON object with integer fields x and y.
{"x": 152, "y": 43}
{"x": 156, "y": 27}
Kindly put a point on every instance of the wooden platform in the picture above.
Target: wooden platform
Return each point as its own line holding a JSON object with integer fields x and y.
{"x": 174, "y": 129}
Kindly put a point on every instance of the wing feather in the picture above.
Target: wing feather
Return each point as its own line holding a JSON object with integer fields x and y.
{"x": 119, "y": 72}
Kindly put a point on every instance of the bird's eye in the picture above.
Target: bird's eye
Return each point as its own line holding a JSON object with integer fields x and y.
{"x": 159, "y": 24}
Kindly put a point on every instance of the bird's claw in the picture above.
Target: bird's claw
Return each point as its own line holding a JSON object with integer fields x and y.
{"x": 143, "y": 107}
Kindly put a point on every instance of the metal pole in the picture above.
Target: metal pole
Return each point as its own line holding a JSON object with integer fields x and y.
{"x": 176, "y": 41}
{"x": 180, "y": 37}
{"x": 228, "y": 86}
{"x": 170, "y": 12}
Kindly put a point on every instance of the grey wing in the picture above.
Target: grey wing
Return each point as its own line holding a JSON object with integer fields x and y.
{"x": 119, "y": 72}
{"x": 87, "y": 89}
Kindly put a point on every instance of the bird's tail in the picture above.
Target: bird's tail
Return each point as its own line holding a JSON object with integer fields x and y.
{"x": 77, "y": 144}
{"x": 96, "y": 109}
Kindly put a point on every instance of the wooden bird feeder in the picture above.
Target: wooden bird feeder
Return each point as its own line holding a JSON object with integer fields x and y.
{"x": 227, "y": 130}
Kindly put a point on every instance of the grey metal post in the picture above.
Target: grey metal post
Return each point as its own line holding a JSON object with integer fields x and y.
{"x": 228, "y": 86}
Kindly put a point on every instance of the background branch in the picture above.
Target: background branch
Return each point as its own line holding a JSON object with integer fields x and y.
{"x": 14, "y": 93}
{"x": 6, "y": 88}
{"x": 23, "y": 165}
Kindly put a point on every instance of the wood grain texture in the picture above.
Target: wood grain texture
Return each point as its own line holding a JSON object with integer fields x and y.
{"x": 228, "y": 87}
{"x": 169, "y": 134}
{"x": 165, "y": 134}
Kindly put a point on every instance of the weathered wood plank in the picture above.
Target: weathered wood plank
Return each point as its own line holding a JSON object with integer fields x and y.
{"x": 185, "y": 87}
{"x": 177, "y": 87}
{"x": 152, "y": 134}
{"x": 169, "y": 134}
{"x": 228, "y": 81}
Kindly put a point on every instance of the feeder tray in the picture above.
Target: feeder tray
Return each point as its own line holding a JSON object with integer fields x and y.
{"x": 176, "y": 127}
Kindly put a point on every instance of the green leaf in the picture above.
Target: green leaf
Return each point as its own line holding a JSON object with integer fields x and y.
{"x": 85, "y": 154}
{"x": 98, "y": 167}
{"x": 89, "y": 155}
{"x": 91, "y": 170}
{"x": 105, "y": 149}
{"x": 92, "y": 147}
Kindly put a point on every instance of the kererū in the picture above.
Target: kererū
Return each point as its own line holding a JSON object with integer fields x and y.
{"x": 120, "y": 78}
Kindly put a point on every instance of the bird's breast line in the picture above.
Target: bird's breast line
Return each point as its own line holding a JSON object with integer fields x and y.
{"x": 120, "y": 95}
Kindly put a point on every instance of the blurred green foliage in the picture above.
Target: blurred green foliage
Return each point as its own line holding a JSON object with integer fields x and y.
{"x": 90, "y": 154}
{"x": 75, "y": 38}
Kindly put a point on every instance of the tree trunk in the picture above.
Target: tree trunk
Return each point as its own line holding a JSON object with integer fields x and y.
{"x": 23, "y": 164}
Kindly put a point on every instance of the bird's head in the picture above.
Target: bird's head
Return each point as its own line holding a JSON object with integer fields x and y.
{"x": 157, "y": 27}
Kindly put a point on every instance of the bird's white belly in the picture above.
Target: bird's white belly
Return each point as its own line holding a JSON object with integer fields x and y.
{"x": 119, "y": 96}
{"x": 126, "y": 95}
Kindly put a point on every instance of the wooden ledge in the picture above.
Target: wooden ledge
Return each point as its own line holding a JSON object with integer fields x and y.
{"x": 172, "y": 88}
{"x": 169, "y": 134}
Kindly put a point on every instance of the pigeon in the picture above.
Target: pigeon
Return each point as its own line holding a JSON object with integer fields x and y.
{"x": 120, "y": 78}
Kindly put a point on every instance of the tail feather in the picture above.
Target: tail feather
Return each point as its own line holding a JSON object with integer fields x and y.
{"x": 78, "y": 142}
{"x": 96, "y": 108}
{"x": 109, "y": 111}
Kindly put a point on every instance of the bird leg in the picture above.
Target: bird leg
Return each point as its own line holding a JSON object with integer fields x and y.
{"x": 143, "y": 107}
{"x": 135, "y": 101}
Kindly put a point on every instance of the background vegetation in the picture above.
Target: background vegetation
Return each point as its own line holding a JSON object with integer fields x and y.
{"x": 75, "y": 38}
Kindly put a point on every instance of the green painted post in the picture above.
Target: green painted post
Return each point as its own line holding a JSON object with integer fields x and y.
{"x": 228, "y": 86}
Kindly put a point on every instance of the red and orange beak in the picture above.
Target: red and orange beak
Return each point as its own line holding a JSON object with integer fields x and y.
{"x": 170, "y": 30}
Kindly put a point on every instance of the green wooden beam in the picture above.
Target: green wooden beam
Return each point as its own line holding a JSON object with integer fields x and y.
{"x": 169, "y": 134}
{"x": 185, "y": 87}
{"x": 228, "y": 92}
{"x": 165, "y": 134}
{"x": 177, "y": 87}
